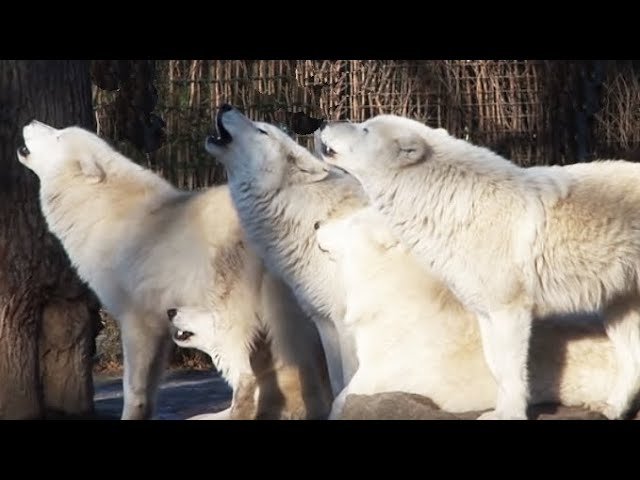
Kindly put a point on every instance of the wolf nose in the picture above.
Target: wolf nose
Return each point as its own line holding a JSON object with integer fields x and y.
{"x": 172, "y": 312}
{"x": 225, "y": 107}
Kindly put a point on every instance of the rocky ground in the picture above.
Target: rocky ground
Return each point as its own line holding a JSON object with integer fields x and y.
{"x": 406, "y": 406}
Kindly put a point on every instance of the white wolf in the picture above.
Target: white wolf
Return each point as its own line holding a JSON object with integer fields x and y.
{"x": 144, "y": 247}
{"x": 513, "y": 243}
{"x": 412, "y": 334}
{"x": 280, "y": 190}
{"x": 267, "y": 386}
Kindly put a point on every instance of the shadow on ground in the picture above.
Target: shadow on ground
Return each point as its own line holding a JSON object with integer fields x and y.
{"x": 183, "y": 393}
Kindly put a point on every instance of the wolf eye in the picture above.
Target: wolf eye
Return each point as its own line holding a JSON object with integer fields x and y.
{"x": 366, "y": 130}
{"x": 264, "y": 132}
{"x": 316, "y": 225}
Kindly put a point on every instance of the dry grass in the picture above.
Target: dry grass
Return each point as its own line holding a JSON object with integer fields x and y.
{"x": 617, "y": 124}
{"x": 109, "y": 351}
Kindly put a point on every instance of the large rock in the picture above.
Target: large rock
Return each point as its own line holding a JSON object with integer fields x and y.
{"x": 407, "y": 406}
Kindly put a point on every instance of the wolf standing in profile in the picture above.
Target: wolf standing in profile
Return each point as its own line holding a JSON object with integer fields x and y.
{"x": 413, "y": 335}
{"x": 145, "y": 247}
{"x": 513, "y": 243}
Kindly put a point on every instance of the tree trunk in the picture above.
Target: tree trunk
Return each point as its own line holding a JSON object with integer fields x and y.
{"x": 48, "y": 317}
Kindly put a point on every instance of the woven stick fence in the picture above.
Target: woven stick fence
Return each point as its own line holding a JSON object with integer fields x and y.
{"x": 529, "y": 111}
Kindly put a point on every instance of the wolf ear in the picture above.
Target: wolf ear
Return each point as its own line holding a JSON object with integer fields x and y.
{"x": 91, "y": 170}
{"x": 411, "y": 150}
{"x": 306, "y": 169}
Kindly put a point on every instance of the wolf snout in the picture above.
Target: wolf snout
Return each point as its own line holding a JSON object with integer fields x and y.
{"x": 35, "y": 129}
{"x": 33, "y": 123}
{"x": 326, "y": 150}
{"x": 224, "y": 138}
{"x": 171, "y": 313}
{"x": 29, "y": 121}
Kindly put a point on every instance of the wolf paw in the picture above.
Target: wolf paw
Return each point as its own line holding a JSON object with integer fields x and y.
{"x": 613, "y": 412}
{"x": 221, "y": 415}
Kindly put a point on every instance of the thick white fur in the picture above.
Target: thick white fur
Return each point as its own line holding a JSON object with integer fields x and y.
{"x": 144, "y": 246}
{"x": 511, "y": 242}
{"x": 280, "y": 190}
{"x": 264, "y": 386}
{"x": 412, "y": 334}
